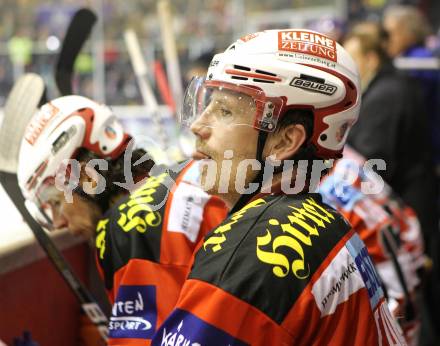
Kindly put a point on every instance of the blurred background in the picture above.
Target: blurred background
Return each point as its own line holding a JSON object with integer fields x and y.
{"x": 31, "y": 32}
{"x": 31, "y": 35}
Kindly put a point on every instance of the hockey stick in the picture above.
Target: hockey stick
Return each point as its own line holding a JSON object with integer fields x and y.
{"x": 21, "y": 104}
{"x": 77, "y": 33}
{"x": 162, "y": 85}
{"x": 140, "y": 70}
{"x": 170, "y": 50}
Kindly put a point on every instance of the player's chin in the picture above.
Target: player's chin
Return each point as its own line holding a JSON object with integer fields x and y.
{"x": 83, "y": 232}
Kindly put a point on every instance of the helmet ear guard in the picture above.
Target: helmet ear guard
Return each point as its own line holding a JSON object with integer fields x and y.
{"x": 332, "y": 124}
{"x": 108, "y": 144}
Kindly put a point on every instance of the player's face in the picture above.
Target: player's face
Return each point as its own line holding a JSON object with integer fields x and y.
{"x": 354, "y": 48}
{"x": 225, "y": 136}
{"x": 399, "y": 38}
{"x": 82, "y": 216}
{"x": 79, "y": 217}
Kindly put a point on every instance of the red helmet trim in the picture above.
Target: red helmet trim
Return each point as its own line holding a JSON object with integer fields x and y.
{"x": 319, "y": 125}
{"x": 87, "y": 114}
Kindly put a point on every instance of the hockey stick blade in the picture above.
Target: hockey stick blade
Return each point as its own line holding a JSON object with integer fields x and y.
{"x": 77, "y": 33}
{"x": 21, "y": 104}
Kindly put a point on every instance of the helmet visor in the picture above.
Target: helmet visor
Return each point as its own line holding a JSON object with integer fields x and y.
{"x": 214, "y": 102}
{"x": 49, "y": 202}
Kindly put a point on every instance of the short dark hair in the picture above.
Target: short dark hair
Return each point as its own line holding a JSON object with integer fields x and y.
{"x": 304, "y": 117}
{"x": 115, "y": 173}
{"x": 307, "y": 151}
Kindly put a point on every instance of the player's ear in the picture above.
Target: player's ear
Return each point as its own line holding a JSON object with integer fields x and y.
{"x": 285, "y": 142}
{"x": 91, "y": 181}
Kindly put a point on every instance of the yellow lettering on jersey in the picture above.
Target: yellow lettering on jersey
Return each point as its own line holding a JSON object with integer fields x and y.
{"x": 101, "y": 229}
{"x": 139, "y": 204}
{"x": 302, "y": 226}
{"x": 218, "y": 238}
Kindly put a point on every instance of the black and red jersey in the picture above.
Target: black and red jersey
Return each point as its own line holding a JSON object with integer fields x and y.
{"x": 145, "y": 245}
{"x": 389, "y": 229}
{"x": 284, "y": 270}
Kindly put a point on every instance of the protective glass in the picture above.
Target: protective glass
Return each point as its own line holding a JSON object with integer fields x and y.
{"x": 214, "y": 102}
{"x": 49, "y": 202}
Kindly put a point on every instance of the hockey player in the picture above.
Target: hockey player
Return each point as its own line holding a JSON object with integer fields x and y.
{"x": 389, "y": 229}
{"x": 284, "y": 268}
{"x": 72, "y": 145}
{"x": 143, "y": 254}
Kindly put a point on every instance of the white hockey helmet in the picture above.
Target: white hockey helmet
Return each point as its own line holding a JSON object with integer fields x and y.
{"x": 55, "y": 133}
{"x": 282, "y": 70}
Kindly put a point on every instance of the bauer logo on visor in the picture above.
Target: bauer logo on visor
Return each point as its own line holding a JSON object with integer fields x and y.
{"x": 307, "y": 43}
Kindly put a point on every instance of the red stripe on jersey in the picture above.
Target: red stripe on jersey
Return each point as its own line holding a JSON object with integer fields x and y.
{"x": 168, "y": 280}
{"x": 243, "y": 321}
{"x": 128, "y": 342}
{"x": 306, "y": 302}
{"x": 214, "y": 213}
{"x": 343, "y": 327}
{"x": 370, "y": 236}
{"x": 110, "y": 294}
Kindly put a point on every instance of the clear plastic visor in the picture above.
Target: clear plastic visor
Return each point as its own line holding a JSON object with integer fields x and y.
{"x": 48, "y": 204}
{"x": 213, "y": 103}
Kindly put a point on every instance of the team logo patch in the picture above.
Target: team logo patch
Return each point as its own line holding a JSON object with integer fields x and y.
{"x": 185, "y": 329}
{"x": 134, "y": 313}
{"x": 307, "y": 43}
{"x": 313, "y": 86}
{"x": 187, "y": 209}
{"x": 39, "y": 122}
{"x": 337, "y": 283}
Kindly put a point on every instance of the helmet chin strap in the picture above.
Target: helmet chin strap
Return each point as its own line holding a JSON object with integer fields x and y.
{"x": 302, "y": 154}
{"x": 244, "y": 199}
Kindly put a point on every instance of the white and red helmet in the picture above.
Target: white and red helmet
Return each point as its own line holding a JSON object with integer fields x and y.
{"x": 57, "y": 131}
{"x": 288, "y": 69}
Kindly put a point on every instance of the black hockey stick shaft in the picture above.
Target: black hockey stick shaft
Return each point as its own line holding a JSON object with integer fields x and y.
{"x": 77, "y": 33}
{"x": 20, "y": 106}
{"x": 10, "y": 184}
